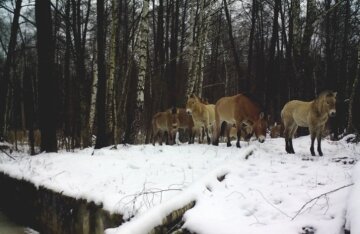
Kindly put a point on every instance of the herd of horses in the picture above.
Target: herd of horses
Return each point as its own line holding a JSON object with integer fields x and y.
{"x": 242, "y": 117}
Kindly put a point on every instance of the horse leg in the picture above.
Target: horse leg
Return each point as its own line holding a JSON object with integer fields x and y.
{"x": 155, "y": 134}
{"x": 216, "y": 129}
{"x": 312, "y": 135}
{"x": 190, "y": 135}
{"x": 171, "y": 138}
{"x": 287, "y": 137}
{"x": 319, "y": 143}
{"x": 292, "y": 133}
{"x": 238, "y": 134}
{"x": 228, "y": 143}
{"x": 207, "y": 132}
{"x": 207, "y": 135}
{"x": 160, "y": 137}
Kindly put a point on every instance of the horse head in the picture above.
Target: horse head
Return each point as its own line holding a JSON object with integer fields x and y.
{"x": 191, "y": 102}
{"x": 330, "y": 103}
{"x": 259, "y": 127}
{"x": 175, "y": 123}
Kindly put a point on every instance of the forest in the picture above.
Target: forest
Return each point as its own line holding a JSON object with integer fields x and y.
{"x": 71, "y": 70}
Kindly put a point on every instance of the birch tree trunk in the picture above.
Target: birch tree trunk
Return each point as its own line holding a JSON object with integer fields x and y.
{"x": 94, "y": 89}
{"x": 138, "y": 123}
{"x": 192, "y": 48}
{"x": 202, "y": 37}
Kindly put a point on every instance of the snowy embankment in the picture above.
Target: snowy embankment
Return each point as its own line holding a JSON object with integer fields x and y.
{"x": 261, "y": 194}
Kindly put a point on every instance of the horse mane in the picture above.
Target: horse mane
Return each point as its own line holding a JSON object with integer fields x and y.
{"x": 328, "y": 93}
{"x": 202, "y": 100}
{"x": 256, "y": 101}
{"x": 317, "y": 101}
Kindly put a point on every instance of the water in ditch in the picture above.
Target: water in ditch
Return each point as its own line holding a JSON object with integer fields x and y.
{"x": 9, "y": 227}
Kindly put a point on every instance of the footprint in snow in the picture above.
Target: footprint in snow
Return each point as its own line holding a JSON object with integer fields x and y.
{"x": 132, "y": 166}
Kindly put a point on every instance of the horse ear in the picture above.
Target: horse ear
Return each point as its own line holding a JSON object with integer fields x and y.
{"x": 335, "y": 93}
{"x": 261, "y": 116}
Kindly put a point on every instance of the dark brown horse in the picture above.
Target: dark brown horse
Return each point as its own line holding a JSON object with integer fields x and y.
{"x": 313, "y": 115}
{"x": 165, "y": 122}
{"x": 238, "y": 110}
{"x": 187, "y": 124}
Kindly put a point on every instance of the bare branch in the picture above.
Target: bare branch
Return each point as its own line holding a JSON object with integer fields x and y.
{"x": 317, "y": 197}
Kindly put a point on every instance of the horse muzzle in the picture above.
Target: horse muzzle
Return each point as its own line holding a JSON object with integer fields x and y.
{"x": 261, "y": 139}
{"x": 332, "y": 113}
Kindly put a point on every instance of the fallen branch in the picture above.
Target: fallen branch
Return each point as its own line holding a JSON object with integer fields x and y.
{"x": 7, "y": 154}
{"x": 317, "y": 197}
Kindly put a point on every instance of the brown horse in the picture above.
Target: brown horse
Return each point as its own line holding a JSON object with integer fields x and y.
{"x": 246, "y": 133}
{"x": 186, "y": 123}
{"x": 202, "y": 114}
{"x": 237, "y": 110}
{"x": 276, "y": 130}
{"x": 313, "y": 115}
{"x": 165, "y": 122}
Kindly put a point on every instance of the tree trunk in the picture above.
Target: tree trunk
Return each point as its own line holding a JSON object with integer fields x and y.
{"x": 94, "y": 89}
{"x": 5, "y": 81}
{"x": 110, "y": 100}
{"x": 101, "y": 138}
{"x": 354, "y": 88}
{"x": 138, "y": 123}
{"x": 192, "y": 49}
{"x": 47, "y": 90}
{"x": 307, "y": 63}
{"x": 272, "y": 77}
{"x": 172, "y": 86}
{"x": 233, "y": 47}
{"x": 251, "y": 41}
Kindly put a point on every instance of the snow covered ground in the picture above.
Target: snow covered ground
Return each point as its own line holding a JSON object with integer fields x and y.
{"x": 263, "y": 190}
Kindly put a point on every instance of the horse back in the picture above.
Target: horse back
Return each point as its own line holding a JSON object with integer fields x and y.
{"x": 296, "y": 111}
{"x": 246, "y": 108}
{"x": 161, "y": 120}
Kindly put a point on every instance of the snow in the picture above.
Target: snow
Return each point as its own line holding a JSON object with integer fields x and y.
{"x": 262, "y": 191}
{"x": 353, "y": 204}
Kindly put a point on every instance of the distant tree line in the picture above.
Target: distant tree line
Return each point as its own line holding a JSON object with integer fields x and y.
{"x": 73, "y": 69}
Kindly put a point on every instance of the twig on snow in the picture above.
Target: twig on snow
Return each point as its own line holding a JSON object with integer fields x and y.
{"x": 282, "y": 212}
{"x": 317, "y": 197}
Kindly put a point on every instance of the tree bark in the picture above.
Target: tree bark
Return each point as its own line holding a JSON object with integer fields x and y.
{"x": 47, "y": 90}
{"x": 354, "y": 89}
{"x": 306, "y": 60}
{"x": 192, "y": 50}
{"x": 101, "y": 138}
{"x": 110, "y": 100}
{"x": 138, "y": 123}
{"x": 4, "y": 82}
{"x": 233, "y": 47}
